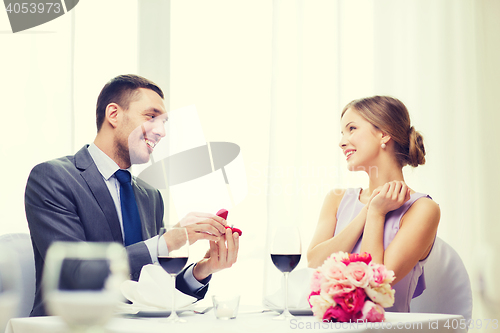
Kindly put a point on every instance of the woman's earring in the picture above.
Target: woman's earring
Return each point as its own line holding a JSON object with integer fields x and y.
{"x": 383, "y": 145}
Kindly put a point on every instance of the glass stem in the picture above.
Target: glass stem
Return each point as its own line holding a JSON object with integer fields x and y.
{"x": 173, "y": 295}
{"x": 286, "y": 292}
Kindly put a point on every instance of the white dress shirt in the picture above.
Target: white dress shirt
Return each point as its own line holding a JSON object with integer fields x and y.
{"x": 107, "y": 167}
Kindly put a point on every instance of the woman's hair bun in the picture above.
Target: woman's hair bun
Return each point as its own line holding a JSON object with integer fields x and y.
{"x": 416, "y": 154}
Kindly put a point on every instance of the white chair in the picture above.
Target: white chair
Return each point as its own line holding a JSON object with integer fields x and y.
{"x": 20, "y": 243}
{"x": 448, "y": 289}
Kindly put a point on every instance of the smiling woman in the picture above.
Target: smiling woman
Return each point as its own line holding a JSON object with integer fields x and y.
{"x": 393, "y": 223}
{"x": 391, "y": 117}
{"x": 385, "y": 119}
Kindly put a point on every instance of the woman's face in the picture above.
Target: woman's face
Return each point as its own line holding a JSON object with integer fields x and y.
{"x": 360, "y": 141}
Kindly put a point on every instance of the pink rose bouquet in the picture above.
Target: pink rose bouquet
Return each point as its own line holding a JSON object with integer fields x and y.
{"x": 349, "y": 287}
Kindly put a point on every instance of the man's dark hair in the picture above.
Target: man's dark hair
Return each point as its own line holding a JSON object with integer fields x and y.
{"x": 121, "y": 90}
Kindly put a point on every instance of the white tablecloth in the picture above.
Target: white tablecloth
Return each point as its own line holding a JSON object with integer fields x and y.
{"x": 250, "y": 322}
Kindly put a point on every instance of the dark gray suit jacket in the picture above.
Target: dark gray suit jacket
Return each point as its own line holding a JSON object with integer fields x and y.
{"x": 66, "y": 199}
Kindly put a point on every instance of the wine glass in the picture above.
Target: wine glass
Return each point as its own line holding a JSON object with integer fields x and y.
{"x": 286, "y": 251}
{"x": 81, "y": 282}
{"x": 173, "y": 260}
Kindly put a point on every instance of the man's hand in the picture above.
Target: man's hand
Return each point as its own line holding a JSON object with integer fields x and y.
{"x": 201, "y": 226}
{"x": 219, "y": 256}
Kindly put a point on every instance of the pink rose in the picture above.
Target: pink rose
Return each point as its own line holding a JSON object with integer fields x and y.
{"x": 333, "y": 270}
{"x": 319, "y": 303}
{"x": 316, "y": 281}
{"x": 311, "y": 299}
{"x": 335, "y": 288}
{"x": 338, "y": 256}
{"x": 314, "y": 293}
{"x": 336, "y": 313}
{"x": 355, "y": 257}
{"x": 352, "y": 302}
{"x": 381, "y": 275}
{"x": 359, "y": 274}
{"x": 383, "y": 295}
{"x": 372, "y": 312}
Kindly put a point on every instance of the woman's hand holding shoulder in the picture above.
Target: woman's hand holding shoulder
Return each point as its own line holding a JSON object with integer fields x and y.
{"x": 389, "y": 197}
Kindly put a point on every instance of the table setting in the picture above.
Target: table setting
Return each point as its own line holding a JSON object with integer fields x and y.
{"x": 106, "y": 301}
{"x": 250, "y": 318}
{"x": 147, "y": 295}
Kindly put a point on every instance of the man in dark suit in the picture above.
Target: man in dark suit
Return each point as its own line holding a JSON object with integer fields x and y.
{"x": 77, "y": 198}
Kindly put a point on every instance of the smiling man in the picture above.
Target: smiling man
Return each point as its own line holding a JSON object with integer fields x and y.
{"x": 83, "y": 197}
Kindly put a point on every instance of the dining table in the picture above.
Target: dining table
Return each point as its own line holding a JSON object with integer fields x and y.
{"x": 249, "y": 320}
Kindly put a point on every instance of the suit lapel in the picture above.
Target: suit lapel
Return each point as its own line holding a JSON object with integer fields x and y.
{"x": 97, "y": 186}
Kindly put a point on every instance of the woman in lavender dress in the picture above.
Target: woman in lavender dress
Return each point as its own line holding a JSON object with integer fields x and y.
{"x": 392, "y": 222}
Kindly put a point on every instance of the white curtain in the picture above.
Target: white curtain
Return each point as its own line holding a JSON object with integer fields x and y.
{"x": 485, "y": 219}
{"x": 51, "y": 77}
{"x": 35, "y": 105}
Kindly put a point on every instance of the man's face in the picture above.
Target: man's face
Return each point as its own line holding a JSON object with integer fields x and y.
{"x": 141, "y": 127}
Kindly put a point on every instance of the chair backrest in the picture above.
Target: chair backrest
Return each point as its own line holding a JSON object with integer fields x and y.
{"x": 20, "y": 243}
{"x": 448, "y": 289}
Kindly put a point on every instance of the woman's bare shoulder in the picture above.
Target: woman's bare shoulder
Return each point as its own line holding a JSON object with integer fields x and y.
{"x": 427, "y": 204}
{"x": 331, "y": 203}
{"x": 334, "y": 196}
{"x": 424, "y": 209}
{"x": 337, "y": 192}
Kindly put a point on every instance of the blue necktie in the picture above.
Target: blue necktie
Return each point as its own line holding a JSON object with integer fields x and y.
{"x": 130, "y": 213}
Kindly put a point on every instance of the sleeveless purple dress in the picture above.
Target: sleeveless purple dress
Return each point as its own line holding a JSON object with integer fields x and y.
{"x": 413, "y": 284}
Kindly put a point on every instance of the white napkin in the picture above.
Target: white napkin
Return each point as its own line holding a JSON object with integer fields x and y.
{"x": 299, "y": 282}
{"x": 153, "y": 292}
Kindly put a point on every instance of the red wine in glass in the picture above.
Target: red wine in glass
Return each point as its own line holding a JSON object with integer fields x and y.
{"x": 285, "y": 262}
{"x": 173, "y": 265}
{"x": 174, "y": 261}
{"x": 286, "y": 250}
